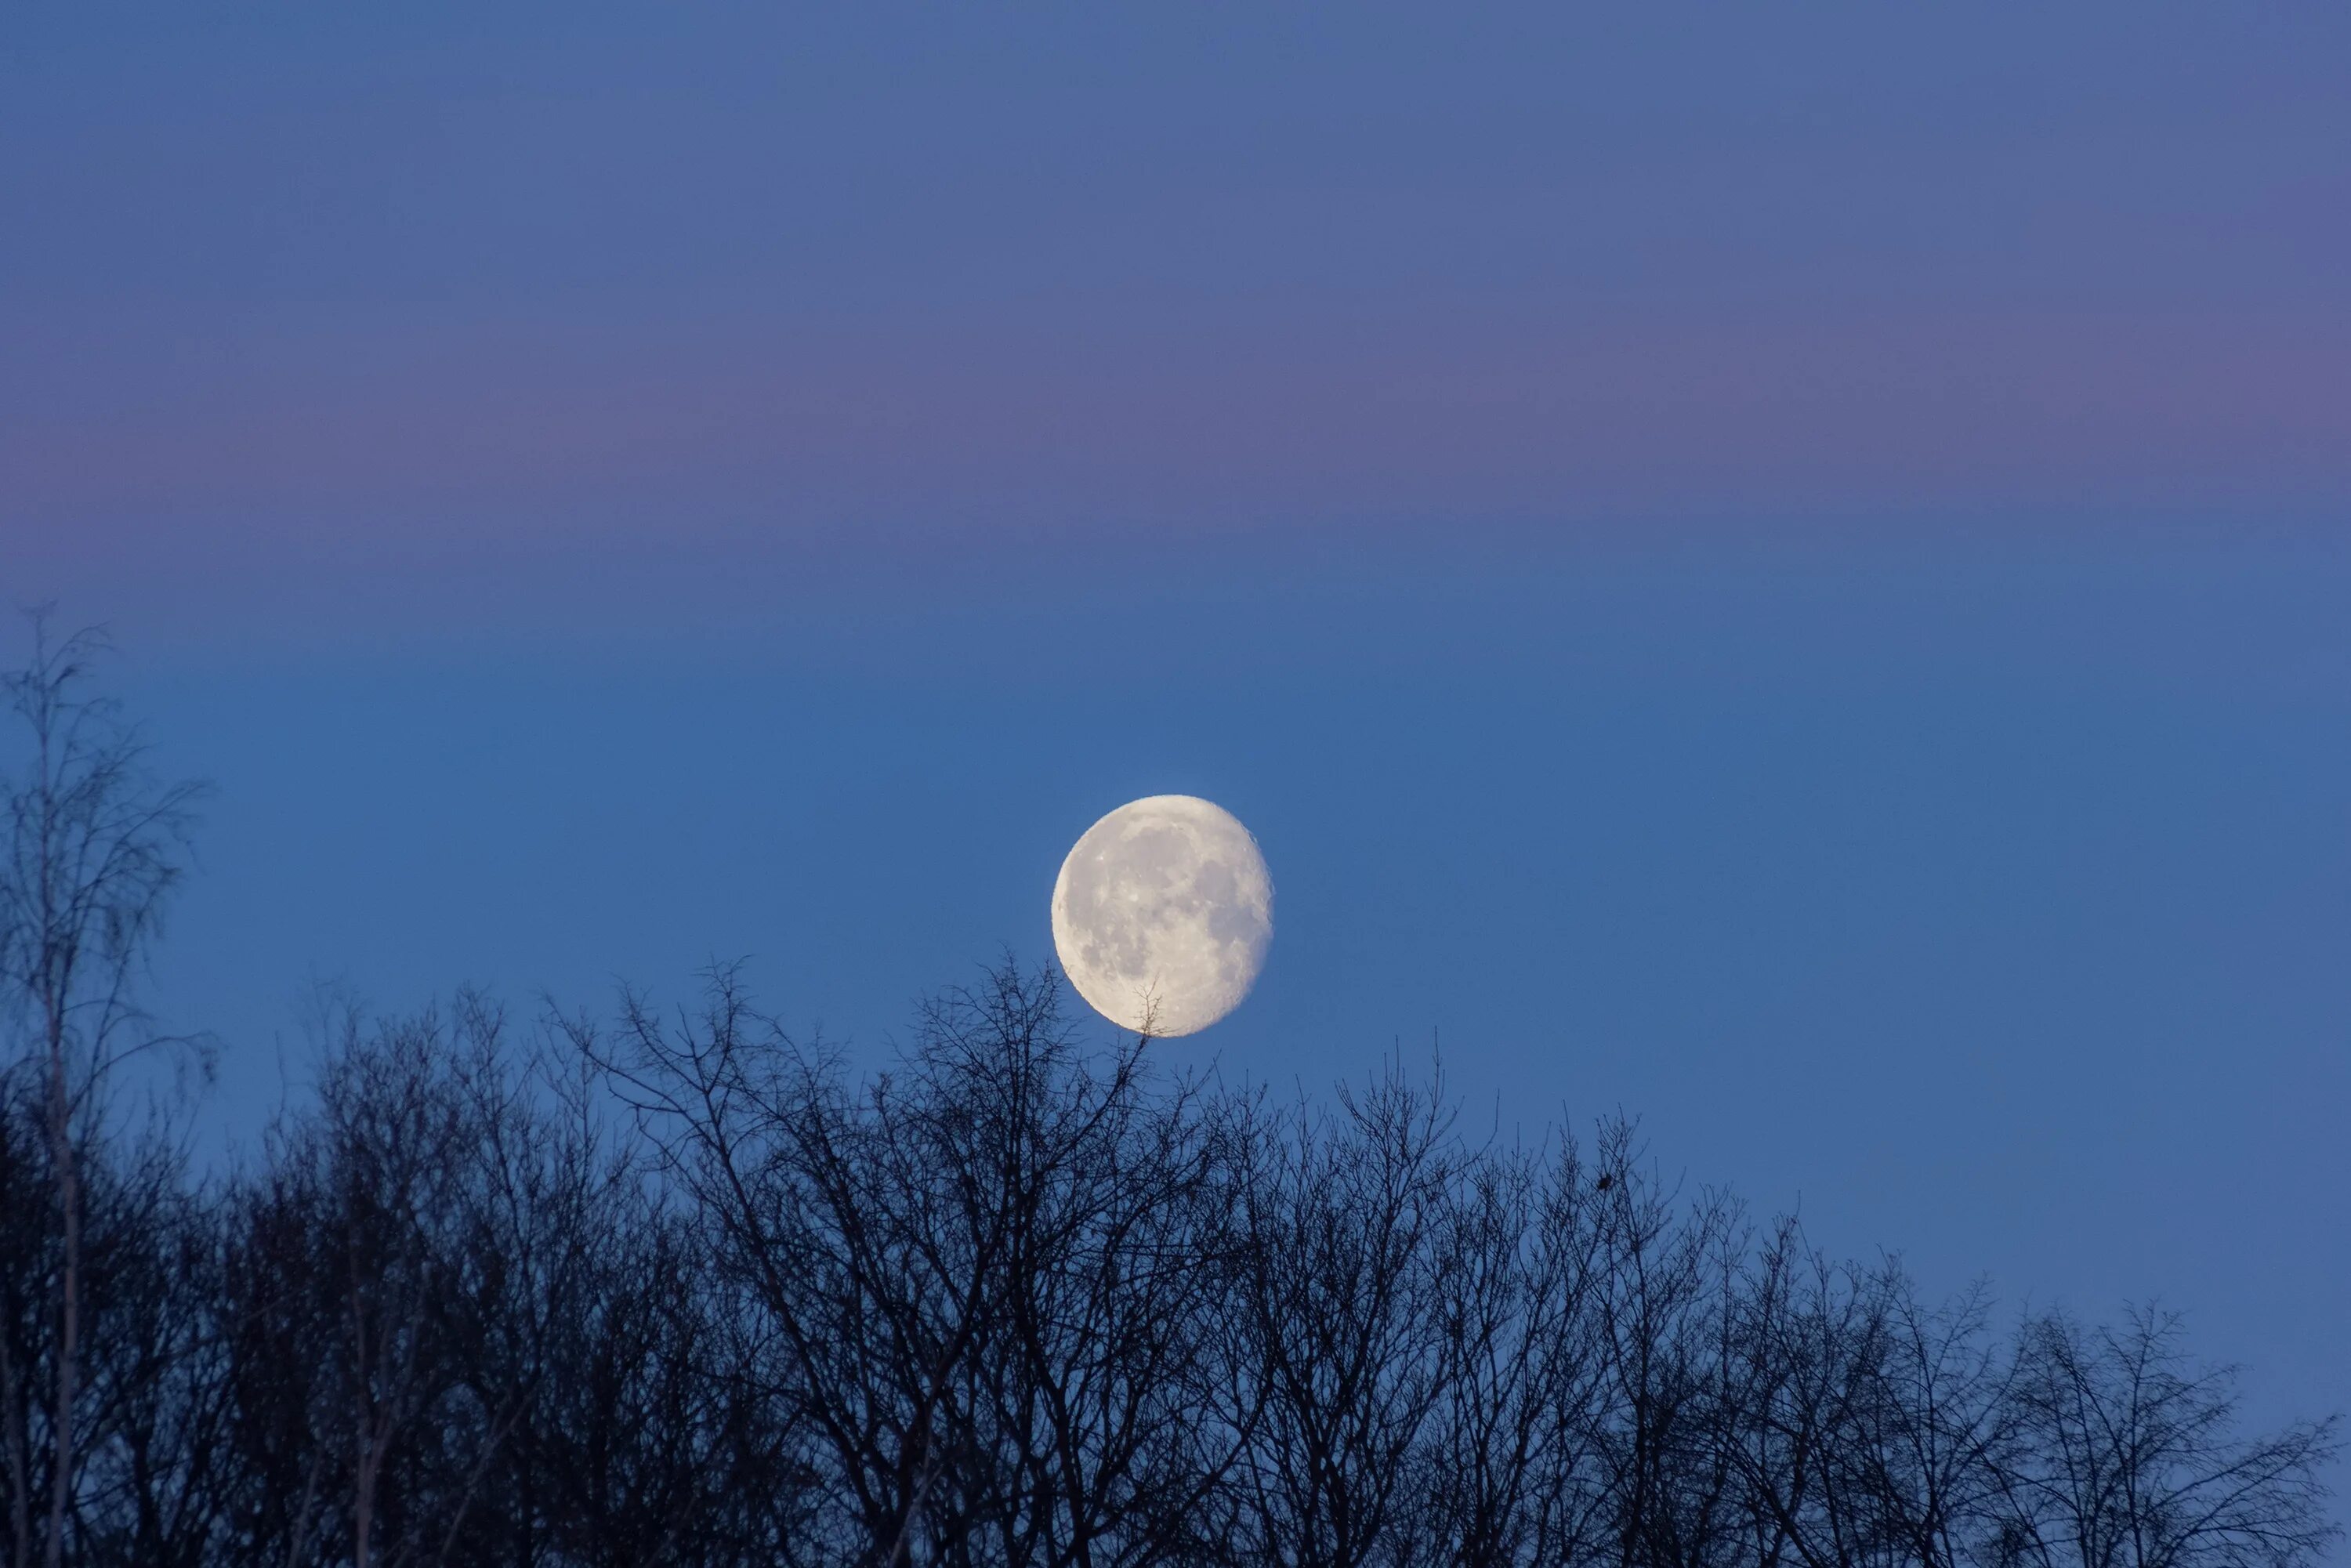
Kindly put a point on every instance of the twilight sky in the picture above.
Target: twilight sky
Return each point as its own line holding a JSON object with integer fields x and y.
{"x": 1789, "y": 574}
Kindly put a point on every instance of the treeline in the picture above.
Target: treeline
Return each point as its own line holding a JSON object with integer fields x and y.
{"x": 1018, "y": 1303}
{"x": 675, "y": 1288}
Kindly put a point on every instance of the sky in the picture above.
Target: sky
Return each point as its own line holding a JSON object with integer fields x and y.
{"x": 1780, "y": 571}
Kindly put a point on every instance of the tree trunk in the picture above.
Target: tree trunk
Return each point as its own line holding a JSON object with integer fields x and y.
{"x": 15, "y": 1407}
{"x": 70, "y": 1311}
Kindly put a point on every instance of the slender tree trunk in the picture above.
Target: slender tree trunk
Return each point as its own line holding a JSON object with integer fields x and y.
{"x": 17, "y": 1412}
{"x": 364, "y": 1472}
{"x": 363, "y": 1513}
{"x": 69, "y": 1309}
{"x": 363, "y": 1488}
{"x": 54, "y": 998}
{"x": 298, "y": 1539}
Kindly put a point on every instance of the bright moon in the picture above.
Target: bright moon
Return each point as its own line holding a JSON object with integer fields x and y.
{"x": 1161, "y": 914}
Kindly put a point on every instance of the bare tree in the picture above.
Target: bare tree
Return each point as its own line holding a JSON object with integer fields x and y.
{"x": 1943, "y": 1425}
{"x": 646, "y": 1442}
{"x": 1790, "y": 1369}
{"x": 153, "y": 1374}
{"x": 1514, "y": 1431}
{"x": 1346, "y": 1336}
{"x": 840, "y": 1229}
{"x": 2134, "y": 1460}
{"x": 96, "y": 846}
{"x": 1094, "y": 1437}
{"x": 980, "y": 1283}
{"x": 1660, "y": 1275}
{"x": 401, "y": 1272}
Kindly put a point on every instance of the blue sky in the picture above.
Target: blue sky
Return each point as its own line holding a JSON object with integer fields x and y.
{"x": 1782, "y": 574}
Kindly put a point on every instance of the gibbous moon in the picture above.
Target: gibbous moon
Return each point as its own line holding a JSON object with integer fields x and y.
{"x": 1161, "y": 914}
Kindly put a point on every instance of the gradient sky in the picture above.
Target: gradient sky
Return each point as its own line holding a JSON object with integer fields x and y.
{"x": 1787, "y": 574}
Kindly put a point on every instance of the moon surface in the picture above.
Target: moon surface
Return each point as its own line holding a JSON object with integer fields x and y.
{"x": 1161, "y": 914}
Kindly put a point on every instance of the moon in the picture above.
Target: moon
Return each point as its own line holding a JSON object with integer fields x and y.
{"x": 1161, "y": 914}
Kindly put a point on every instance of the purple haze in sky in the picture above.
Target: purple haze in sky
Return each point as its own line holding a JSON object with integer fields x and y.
{"x": 298, "y": 300}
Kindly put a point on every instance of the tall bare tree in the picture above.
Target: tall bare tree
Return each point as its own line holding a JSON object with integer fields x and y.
{"x": 96, "y": 846}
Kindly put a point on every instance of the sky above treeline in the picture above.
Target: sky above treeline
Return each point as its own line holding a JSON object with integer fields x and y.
{"x": 1786, "y": 573}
